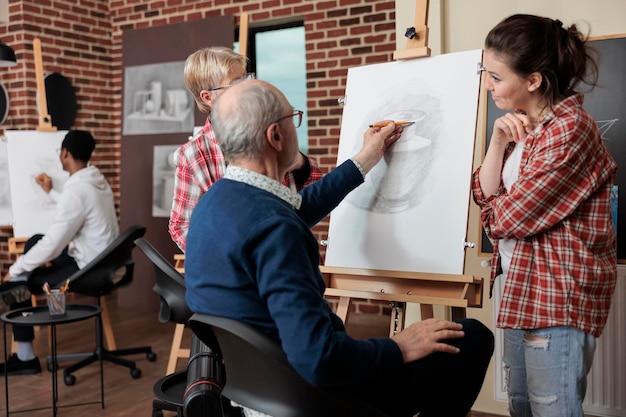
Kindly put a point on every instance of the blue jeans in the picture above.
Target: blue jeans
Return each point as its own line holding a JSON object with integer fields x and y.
{"x": 546, "y": 371}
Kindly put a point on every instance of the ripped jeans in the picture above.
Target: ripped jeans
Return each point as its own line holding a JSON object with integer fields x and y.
{"x": 546, "y": 371}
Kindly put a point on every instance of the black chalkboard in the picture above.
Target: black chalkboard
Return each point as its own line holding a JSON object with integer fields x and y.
{"x": 607, "y": 104}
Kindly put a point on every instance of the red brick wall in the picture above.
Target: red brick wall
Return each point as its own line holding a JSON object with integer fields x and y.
{"x": 83, "y": 42}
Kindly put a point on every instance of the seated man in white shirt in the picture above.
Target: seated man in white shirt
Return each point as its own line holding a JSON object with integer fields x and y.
{"x": 85, "y": 223}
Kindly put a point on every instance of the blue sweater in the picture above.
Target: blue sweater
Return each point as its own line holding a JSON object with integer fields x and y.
{"x": 252, "y": 257}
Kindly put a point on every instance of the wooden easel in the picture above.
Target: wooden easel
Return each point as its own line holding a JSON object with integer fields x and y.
{"x": 417, "y": 43}
{"x": 243, "y": 34}
{"x": 399, "y": 287}
{"x": 426, "y": 289}
{"x": 45, "y": 121}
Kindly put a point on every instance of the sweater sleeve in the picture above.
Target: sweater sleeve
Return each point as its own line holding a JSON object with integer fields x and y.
{"x": 68, "y": 219}
{"x": 312, "y": 336}
{"x": 321, "y": 197}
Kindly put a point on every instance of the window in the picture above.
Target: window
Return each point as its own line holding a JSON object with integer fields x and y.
{"x": 277, "y": 55}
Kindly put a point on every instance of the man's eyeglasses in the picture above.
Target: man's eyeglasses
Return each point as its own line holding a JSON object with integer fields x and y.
{"x": 297, "y": 115}
{"x": 247, "y": 76}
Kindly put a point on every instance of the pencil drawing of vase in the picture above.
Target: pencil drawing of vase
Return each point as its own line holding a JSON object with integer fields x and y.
{"x": 400, "y": 180}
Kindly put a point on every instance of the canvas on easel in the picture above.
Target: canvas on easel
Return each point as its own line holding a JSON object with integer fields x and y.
{"x": 31, "y": 153}
{"x": 411, "y": 213}
{"x": 6, "y": 214}
{"x": 381, "y": 238}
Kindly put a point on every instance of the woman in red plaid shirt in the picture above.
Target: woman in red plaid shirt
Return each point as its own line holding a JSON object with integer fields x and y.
{"x": 543, "y": 190}
{"x": 200, "y": 162}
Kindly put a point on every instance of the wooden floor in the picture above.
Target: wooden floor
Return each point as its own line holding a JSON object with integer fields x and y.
{"x": 124, "y": 396}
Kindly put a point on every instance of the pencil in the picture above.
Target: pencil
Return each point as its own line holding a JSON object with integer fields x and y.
{"x": 383, "y": 124}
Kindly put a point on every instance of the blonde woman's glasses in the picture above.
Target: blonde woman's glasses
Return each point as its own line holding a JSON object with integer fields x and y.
{"x": 247, "y": 76}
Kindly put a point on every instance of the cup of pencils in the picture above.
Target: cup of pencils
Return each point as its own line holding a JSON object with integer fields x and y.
{"x": 56, "y": 299}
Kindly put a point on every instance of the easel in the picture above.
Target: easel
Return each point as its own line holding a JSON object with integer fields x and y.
{"x": 16, "y": 244}
{"x": 399, "y": 288}
{"x": 426, "y": 289}
{"x": 45, "y": 122}
{"x": 243, "y": 34}
{"x": 416, "y": 45}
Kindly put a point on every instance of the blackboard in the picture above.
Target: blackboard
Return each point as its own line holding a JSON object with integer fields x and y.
{"x": 607, "y": 104}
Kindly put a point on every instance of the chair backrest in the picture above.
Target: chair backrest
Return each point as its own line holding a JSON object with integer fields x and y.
{"x": 99, "y": 277}
{"x": 258, "y": 375}
{"x": 200, "y": 397}
{"x": 168, "y": 283}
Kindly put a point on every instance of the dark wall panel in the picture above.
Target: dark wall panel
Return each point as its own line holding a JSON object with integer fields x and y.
{"x": 162, "y": 44}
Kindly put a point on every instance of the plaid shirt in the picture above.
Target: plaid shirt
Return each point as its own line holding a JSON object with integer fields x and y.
{"x": 199, "y": 163}
{"x": 564, "y": 266}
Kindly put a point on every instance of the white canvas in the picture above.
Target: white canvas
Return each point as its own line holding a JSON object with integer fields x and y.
{"x": 6, "y": 214}
{"x": 411, "y": 213}
{"x": 31, "y": 153}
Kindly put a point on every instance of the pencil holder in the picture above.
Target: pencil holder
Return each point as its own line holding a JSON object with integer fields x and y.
{"x": 56, "y": 302}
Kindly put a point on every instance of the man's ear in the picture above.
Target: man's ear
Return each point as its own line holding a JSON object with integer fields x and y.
{"x": 274, "y": 136}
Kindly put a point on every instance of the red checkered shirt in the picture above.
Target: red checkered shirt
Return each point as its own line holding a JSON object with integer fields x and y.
{"x": 564, "y": 267}
{"x": 199, "y": 163}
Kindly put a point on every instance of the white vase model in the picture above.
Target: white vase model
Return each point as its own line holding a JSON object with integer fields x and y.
{"x": 157, "y": 96}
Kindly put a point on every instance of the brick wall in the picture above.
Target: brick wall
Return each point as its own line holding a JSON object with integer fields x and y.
{"x": 83, "y": 42}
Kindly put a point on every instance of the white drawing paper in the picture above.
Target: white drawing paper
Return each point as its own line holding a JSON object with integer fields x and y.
{"x": 411, "y": 213}
{"x": 6, "y": 214}
{"x": 31, "y": 153}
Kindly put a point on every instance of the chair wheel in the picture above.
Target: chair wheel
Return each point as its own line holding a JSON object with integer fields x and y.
{"x": 69, "y": 380}
{"x": 151, "y": 356}
{"x": 135, "y": 373}
{"x": 157, "y": 413}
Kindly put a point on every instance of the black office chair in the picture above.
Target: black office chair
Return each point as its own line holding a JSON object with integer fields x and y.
{"x": 111, "y": 269}
{"x": 184, "y": 392}
{"x": 258, "y": 375}
{"x": 170, "y": 285}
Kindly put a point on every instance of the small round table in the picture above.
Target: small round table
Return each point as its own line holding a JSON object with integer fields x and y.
{"x": 40, "y": 316}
